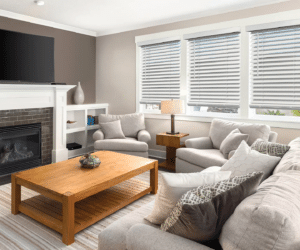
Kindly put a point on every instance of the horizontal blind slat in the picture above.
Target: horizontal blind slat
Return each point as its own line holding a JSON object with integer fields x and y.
{"x": 275, "y": 68}
{"x": 160, "y": 72}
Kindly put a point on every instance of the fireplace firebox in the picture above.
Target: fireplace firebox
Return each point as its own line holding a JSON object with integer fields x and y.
{"x": 20, "y": 148}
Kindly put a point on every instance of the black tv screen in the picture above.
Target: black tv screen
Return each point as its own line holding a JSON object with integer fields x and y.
{"x": 25, "y": 57}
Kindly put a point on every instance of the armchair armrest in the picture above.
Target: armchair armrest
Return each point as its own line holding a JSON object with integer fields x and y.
{"x": 158, "y": 240}
{"x": 98, "y": 135}
{"x": 199, "y": 143}
{"x": 143, "y": 135}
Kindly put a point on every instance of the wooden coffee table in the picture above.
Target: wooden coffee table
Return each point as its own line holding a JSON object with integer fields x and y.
{"x": 73, "y": 198}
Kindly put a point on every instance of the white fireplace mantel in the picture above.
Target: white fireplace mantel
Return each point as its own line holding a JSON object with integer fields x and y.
{"x": 29, "y": 96}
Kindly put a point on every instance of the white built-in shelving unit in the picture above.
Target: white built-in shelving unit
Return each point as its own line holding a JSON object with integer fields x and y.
{"x": 81, "y": 132}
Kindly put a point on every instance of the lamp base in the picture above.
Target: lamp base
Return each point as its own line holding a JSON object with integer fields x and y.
{"x": 170, "y": 133}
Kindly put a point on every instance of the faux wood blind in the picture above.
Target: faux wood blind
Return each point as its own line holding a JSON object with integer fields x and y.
{"x": 275, "y": 68}
{"x": 160, "y": 72}
{"x": 214, "y": 71}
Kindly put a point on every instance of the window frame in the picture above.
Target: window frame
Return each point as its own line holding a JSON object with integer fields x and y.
{"x": 246, "y": 114}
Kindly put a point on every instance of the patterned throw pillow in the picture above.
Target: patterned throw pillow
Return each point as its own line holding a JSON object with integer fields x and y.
{"x": 201, "y": 213}
{"x": 270, "y": 148}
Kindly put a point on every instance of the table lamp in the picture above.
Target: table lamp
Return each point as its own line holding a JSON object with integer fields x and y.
{"x": 172, "y": 107}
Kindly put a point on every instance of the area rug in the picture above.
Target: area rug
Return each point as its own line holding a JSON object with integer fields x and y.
{"x": 21, "y": 232}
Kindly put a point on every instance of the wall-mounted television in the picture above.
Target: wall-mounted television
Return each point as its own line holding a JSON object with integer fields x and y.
{"x": 26, "y": 58}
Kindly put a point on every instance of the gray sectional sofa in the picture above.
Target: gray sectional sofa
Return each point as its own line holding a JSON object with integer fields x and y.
{"x": 201, "y": 153}
{"x": 267, "y": 220}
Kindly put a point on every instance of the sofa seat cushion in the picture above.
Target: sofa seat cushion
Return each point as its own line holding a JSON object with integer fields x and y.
{"x": 204, "y": 157}
{"x": 114, "y": 236}
{"x": 221, "y": 128}
{"x": 268, "y": 219}
{"x": 131, "y": 123}
{"x": 291, "y": 159}
{"x": 121, "y": 145}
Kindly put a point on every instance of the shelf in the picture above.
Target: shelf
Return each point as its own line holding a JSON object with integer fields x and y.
{"x": 74, "y": 130}
{"x": 87, "y": 211}
{"x": 87, "y": 106}
{"x": 91, "y": 127}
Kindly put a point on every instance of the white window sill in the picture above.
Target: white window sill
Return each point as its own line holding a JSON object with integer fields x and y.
{"x": 271, "y": 121}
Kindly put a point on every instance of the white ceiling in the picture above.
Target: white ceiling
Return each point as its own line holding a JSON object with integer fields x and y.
{"x": 102, "y": 17}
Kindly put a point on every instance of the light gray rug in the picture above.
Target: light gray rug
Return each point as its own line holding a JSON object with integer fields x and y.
{"x": 21, "y": 232}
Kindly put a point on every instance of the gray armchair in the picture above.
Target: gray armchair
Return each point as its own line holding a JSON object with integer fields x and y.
{"x": 201, "y": 153}
{"x": 136, "y": 137}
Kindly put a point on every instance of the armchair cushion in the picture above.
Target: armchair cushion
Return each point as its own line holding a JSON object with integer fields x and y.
{"x": 232, "y": 141}
{"x": 204, "y": 158}
{"x": 98, "y": 135}
{"x": 199, "y": 143}
{"x": 143, "y": 135}
{"x": 121, "y": 145}
{"x": 112, "y": 130}
{"x": 131, "y": 123}
{"x": 221, "y": 128}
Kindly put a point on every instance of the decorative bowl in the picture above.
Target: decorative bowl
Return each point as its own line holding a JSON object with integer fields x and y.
{"x": 89, "y": 161}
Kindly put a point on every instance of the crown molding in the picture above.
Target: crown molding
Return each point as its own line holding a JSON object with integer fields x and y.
{"x": 43, "y": 22}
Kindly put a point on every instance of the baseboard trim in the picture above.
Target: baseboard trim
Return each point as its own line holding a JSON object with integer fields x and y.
{"x": 157, "y": 153}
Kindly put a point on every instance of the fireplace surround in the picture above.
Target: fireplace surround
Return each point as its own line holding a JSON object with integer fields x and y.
{"x": 30, "y": 99}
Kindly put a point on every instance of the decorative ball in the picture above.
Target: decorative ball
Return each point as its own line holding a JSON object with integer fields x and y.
{"x": 89, "y": 161}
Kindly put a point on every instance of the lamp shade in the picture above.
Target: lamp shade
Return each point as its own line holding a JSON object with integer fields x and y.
{"x": 172, "y": 107}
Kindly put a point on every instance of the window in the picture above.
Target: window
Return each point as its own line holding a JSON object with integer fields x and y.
{"x": 214, "y": 73}
{"x": 159, "y": 73}
{"x": 275, "y": 71}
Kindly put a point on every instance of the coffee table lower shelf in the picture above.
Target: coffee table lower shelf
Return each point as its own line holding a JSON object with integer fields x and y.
{"x": 87, "y": 211}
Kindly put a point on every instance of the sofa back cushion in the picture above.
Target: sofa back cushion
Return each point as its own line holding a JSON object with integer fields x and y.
{"x": 268, "y": 219}
{"x": 291, "y": 159}
{"x": 131, "y": 123}
{"x": 221, "y": 128}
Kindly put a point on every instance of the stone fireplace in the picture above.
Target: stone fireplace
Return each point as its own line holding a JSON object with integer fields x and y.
{"x": 32, "y": 125}
{"x": 25, "y": 128}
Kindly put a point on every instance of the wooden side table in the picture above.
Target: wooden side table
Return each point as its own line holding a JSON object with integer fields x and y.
{"x": 172, "y": 142}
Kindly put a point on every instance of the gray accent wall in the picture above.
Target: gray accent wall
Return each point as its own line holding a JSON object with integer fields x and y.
{"x": 74, "y": 55}
{"x": 116, "y": 71}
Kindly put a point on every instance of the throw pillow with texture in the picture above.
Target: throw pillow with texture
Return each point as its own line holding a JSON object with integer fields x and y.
{"x": 270, "y": 148}
{"x": 245, "y": 161}
{"x": 173, "y": 186}
{"x": 112, "y": 130}
{"x": 201, "y": 213}
{"x": 232, "y": 141}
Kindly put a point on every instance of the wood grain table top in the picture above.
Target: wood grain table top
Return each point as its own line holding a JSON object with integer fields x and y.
{"x": 180, "y": 135}
{"x": 68, "y": 178}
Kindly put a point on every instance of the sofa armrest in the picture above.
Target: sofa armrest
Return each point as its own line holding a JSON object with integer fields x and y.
{"x": 98, "y": 135}
{"x": 199, "y": 143}
{"x": 143, "y": 135}
{"x": 158, "y": 240}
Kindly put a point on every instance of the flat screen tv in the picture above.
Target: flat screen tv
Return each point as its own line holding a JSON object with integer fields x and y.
{"x": 26, "y": 58}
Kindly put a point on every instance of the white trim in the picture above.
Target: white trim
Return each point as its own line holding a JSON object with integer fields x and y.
{"x": 272, "y": 25}
{"x": 212, "y": 33}
{"x": 161, "y": 40}
{"x": 192, "y": 118}
{"x": 157, "y": 153}
{"x": 47, "y": 23}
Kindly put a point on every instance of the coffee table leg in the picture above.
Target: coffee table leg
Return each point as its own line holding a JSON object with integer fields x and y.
{"x": 15, "y": 195}
{"x": 68, "y": 218}
{"x": 154, "y": 178}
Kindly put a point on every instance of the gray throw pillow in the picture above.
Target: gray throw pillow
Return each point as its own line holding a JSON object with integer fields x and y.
{"x": 201, "y": 213}
{"x": 112, "y": 130}
{"x": 270, "y": 148}
{"x": 245, "y": 161}
{"x": 232, "y": 142}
